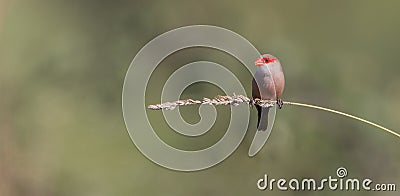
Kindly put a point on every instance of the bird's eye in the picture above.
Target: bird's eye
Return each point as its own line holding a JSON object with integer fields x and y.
{"x": 266, "y": 60}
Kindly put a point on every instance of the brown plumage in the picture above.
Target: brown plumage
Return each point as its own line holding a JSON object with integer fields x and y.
{"x": 268, "y": 83}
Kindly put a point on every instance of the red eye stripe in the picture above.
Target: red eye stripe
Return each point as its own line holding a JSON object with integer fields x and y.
{"x": 269, "y": 60}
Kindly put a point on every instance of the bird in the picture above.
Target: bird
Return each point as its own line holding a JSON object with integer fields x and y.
{"x": 268, "y": 84}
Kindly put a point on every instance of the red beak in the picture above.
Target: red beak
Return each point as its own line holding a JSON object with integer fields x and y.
{"x": 259, "y": 62}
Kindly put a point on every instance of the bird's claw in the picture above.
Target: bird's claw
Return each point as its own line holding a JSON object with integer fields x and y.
{"x": 251, "y": 103}
{"x": 280, "y": 103}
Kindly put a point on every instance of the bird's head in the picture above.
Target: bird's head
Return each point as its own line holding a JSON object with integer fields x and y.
{"x": 265, "y": 59}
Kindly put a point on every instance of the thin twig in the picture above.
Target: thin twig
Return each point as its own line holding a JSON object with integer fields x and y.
{"x": 344, "y": 114}
{"x": 238, "y": 99}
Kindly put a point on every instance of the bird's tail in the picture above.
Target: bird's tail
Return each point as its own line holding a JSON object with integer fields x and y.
{"x": 262, "y": 122}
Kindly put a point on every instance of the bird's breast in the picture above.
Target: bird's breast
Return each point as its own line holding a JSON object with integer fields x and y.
{"x": 264, "y": 84}
{"x": 270, "y": 82}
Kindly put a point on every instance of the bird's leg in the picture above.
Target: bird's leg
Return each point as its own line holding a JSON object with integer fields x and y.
{"x": 280, "y": 103}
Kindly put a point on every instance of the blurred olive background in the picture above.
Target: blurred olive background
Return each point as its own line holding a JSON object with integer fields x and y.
{"x": 62, "y": 69}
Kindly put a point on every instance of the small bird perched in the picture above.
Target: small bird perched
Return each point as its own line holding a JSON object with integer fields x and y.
{"x": 268, "y": 83}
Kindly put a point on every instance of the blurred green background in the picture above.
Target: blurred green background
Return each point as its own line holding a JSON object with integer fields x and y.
{"x": 63, "y": 64}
